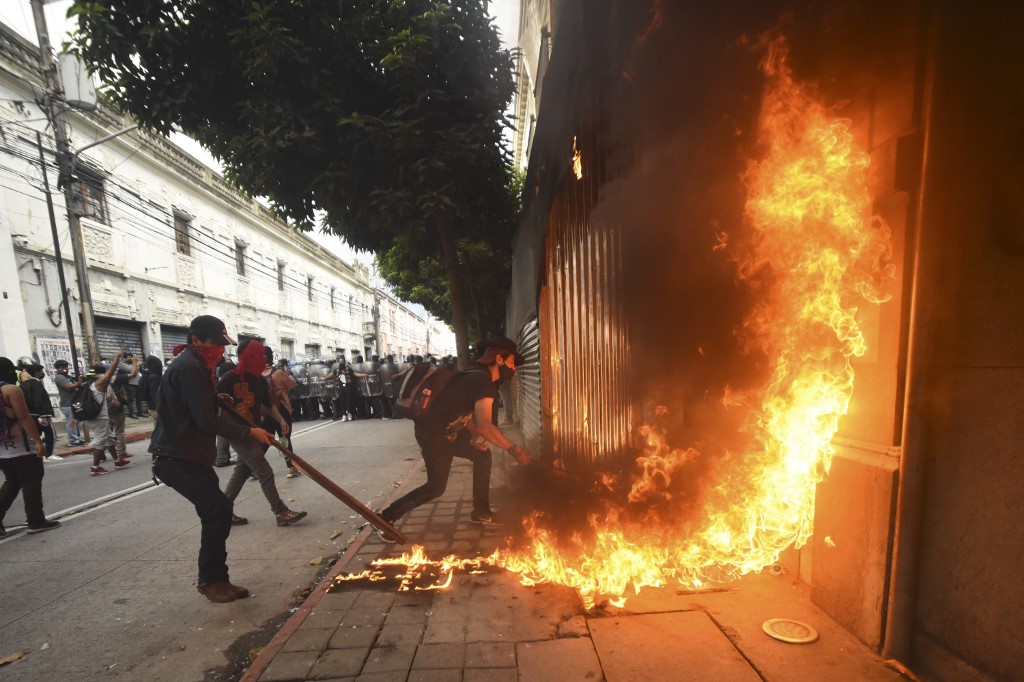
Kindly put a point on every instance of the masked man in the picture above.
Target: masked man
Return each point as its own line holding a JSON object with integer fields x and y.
{"x": 184, "y": 446}
{"x": 459, "y": 424}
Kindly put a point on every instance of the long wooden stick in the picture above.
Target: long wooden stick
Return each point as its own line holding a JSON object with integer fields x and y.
{"x": 326, "y": 483}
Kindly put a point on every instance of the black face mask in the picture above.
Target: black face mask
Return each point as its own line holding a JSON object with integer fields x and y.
{"x": 505, "y": 374}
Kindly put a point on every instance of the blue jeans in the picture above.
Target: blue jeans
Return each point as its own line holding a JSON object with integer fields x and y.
{"x": 199, "y": 485}
{"x": 74, "y": 438}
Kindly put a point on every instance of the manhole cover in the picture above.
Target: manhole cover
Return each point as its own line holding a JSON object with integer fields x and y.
{"x": 792, "y": 631}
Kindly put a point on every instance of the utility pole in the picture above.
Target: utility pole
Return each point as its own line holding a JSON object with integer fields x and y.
{"x": 54, "y": 107}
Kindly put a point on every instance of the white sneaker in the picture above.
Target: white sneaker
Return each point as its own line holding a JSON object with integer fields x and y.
{"x": 54, "y": 458}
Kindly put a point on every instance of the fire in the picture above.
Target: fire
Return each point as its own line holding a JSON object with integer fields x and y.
{"x": 817, "y": 252}
{"x": 577, "y": 161}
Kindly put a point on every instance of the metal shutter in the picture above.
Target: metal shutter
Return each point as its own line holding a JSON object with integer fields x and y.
{"x": 171, "y": 337}
{"x": 112, "y": 334}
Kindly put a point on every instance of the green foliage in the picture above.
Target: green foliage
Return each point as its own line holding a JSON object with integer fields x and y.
{"x": 377, "y": 120}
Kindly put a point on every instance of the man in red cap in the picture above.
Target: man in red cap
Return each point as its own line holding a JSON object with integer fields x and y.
{"x": 184, "y": 447}
{"x": 460, "y": 423}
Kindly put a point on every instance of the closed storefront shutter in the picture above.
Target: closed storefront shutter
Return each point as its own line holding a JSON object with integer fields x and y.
{"x": 112, "y": 335}
{"x": 171, "y": 337}
{"x": 528, "y": 395}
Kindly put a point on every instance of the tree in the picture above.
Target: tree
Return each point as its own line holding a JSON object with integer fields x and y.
{"x": 376, "y": 120}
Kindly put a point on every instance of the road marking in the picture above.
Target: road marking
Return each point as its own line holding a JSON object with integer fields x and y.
{"x": 115, "y": 497}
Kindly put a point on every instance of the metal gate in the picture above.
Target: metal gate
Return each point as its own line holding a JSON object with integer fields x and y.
{"x": 171, "y": 337}
{"x": 528, "y": 386}
{"x": 586, "y": 345}
{"x": 113, "y": 334}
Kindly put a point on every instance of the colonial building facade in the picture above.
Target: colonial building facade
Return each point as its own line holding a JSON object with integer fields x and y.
{"x": 165, "y": 238}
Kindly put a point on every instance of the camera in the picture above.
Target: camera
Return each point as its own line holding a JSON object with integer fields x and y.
{"x": 21, "y": 240}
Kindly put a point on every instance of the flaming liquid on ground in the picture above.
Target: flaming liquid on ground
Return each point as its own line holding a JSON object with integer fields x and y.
{"x": 818, "y": 254}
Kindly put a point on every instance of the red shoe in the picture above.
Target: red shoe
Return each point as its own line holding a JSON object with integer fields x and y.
{"x": 121, "y": 463}
{"x": 97, "y": 471}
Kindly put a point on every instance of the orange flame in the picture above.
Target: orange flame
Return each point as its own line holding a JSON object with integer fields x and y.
{"x": 577, "y": 161}
{"x": 817, "y": 250}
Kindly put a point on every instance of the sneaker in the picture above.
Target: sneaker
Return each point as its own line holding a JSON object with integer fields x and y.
{"x": 229, "y": 463}
{"x": 121, "y": 463}
{"x": 238, "y": 520}
{"x": 54, "y": 458}
{"x": 288, "y": 517}
{"x": 97, "y": 471}
{"x": 485, "y": 518}
{"x": 292, "y": 472}
{"x": 222, "y": 592}
{"x": 42, "y": 527}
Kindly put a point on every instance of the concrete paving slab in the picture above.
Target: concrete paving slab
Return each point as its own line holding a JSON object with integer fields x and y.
{"x": 287, "y": 667}
{"x": 400, "y": 634}
{"x": 439, "y": 657}
{"x": 489, "y": 675}
{"x": 559, "y": 660}
{"x": 353, "y": 636}
{"x": 337, "y": 663}
{"x": 444, "y": 632}
{"x": 451, "y": 675}
{"x": 308, "y": 639}
{"x": 491, "y": 655}
{"x": 390, "y": 659}
{"x": 687, "y": 643}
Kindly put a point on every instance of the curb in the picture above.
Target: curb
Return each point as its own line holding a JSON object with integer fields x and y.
{"x": 130, "y": 437}
{"x": 274, "y": 646}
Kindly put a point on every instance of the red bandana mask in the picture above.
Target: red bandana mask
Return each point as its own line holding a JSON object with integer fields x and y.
{"x": 211, "y": 355}
{"x": 252, "y": 360}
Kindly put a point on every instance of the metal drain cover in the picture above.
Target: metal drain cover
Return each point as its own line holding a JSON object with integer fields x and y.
{"x": 792, "y": 631}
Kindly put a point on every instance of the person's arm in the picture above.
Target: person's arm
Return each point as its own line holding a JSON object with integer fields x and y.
{"x": 104, "y": 381}
{"x": 135, "y": 368}
{"x": 485, "y": 427}
{"x": 17, "y": 400}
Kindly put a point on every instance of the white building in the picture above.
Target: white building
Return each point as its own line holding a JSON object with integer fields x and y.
{"x": 166, "y": 239}
{"x": 405, "y": 332}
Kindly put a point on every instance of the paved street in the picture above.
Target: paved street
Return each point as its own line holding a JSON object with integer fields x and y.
{"x": 110, "y": 593}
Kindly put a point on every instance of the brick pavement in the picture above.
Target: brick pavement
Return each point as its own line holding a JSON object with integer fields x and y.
{"x": 487, "y": 626}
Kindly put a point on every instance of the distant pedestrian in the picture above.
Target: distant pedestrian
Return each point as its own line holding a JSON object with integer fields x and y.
{"x": 21, "y": 454}
{"x": 66, "y": 387}
{"x": 248, "y": 391}
{"x": 134, "y": 389}
{"x": 280, "y": 383}
{"x": 183, "y": 447}
{"x": 39, "y": 405}
{"x": 154, "y": 373}
{"x": 98, "y": 380}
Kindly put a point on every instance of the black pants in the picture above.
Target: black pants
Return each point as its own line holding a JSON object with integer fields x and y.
{"x": 23, "y": 474}
{"x": 47, "y": 433}
{"x": 199, "y": 485}
{"x": 437, "y": 454}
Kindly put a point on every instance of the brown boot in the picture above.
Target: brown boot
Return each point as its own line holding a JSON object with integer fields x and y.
{"x": 238, "y": 520}
{"x": 219, "y": 592}
{"x": 240, "y": 592}
{"x": 288, "y": 517}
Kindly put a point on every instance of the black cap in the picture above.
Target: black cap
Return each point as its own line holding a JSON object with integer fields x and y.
{"x": 33, "y": 369}
{"x": 60, "y": 362}
{"x": 208, "y": 327}
{"x": 498, "y": 344}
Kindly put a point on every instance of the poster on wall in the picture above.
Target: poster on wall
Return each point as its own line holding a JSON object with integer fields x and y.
{"x": 51, "y": 350}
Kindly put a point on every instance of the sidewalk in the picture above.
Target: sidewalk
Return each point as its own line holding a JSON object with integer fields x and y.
{"x": 486, "y": 626}
{"x": 134, "y": 430}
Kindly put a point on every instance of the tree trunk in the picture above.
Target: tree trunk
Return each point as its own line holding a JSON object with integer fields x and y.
{"x": 455, "y": 291}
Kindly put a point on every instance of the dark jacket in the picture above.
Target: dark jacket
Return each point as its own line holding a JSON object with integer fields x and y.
{"x": 187, "y": 423}
{"x": 36, "y": 398}
{"x": 154, "y": 373}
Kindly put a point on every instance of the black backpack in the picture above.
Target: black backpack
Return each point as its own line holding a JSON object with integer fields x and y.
{"x": 417, "y": 387}
{"x": 84, "y": 404}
